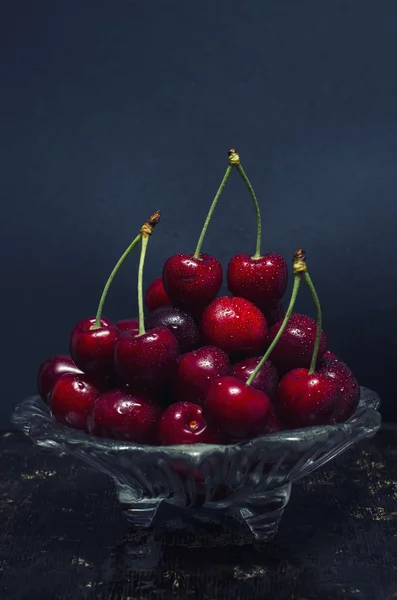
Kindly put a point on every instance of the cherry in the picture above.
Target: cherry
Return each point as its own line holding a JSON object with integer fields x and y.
{"x": 273, "y": 424}
{"x": 305, "y": 399}
{"x": 92, "y": 348}
{"x": 295, "y": 346}
{"x": 73, "y": 398}
{"x": 180, "y": 323}
{"x": 149, "y": 360}
{"x": 347, "y": 386}
{"x": 197, "y": 370}
{"x": 184, "y": 423}
{"x": 265, "y": 381}
{"x": 125, "y": 415}
{"x": 236, "y": 409}
{"x": 261, "y": 280}
{"x": 191, "y": 282}
{"x": 156, "y": 296}
{"x": 130, "y": 325}
{"x": 235, "y": 325}
{"x": 51, "y": 370}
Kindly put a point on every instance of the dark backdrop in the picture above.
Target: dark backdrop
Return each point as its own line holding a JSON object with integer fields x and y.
{"x": 112, "y": 109}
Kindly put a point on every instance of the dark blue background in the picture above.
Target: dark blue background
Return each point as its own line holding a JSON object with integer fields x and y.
{"x": 110, "y": 110}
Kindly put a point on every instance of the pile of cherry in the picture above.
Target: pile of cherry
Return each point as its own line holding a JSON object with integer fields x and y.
{"x": 201, "y": 368}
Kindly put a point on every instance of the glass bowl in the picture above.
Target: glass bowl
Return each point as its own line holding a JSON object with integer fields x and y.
{"x": 250, "y": 480}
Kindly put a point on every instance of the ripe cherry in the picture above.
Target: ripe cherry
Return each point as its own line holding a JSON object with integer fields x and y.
{"x": 196, "y": 372}
{"x": 304, "y": 399}
{"x": 92, "y": 348}
{"x": 129, "y": 325}
{"x": 235, "y": 325}
{"x": 51, "y": 370}
{"x": 347, "y": 386}
{"x": 184, "y": 423}
{"x": 73, "y": 398}
{"x": 235, "y": 409}
{"x": 125, "y": 415}
{"x": 180, "y": 323}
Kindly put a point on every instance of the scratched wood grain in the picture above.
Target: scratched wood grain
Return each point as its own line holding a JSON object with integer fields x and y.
{"x": 63, "y": 536}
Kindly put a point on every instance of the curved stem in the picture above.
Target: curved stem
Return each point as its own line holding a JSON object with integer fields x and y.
{"x": 211, "y": 210}
{"x": 313, "y": 292}
{"x": 295, "y": 290}
{"x": 145, "y": 240}
{"x": 112, "y": 275}
{"x": 257, "y": 211}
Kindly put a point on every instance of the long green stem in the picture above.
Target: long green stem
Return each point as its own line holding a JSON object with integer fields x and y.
{"x": 257, "y": 211}
{"x": 294, "y": 295}
{"x": 313, "y": 292}
{"x": 112, "y": 275}
{"x": 211, "y": 210}
{"x": 145, "y": 240}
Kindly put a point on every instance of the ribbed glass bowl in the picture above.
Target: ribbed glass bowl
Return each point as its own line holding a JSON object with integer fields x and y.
{"x": 252, "y": 480}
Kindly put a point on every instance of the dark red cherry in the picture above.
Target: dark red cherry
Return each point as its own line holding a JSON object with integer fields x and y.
{"x": 125, "y": 415}
{"x": 196, "y": 372}
{"x": 156, "y": 296}
{"x": 130, "y": 325}
{"x": 235, "y": 325}
{"x": 192, "y": 283}
{"x": 73, "y": 398}
{"x": 149, "y": 360}
{"x": 265, "y": 381}
{"x": 183, "y": 423}
{"x": 235, "y": 409}
{"x": 295, "y": 347}
{"x": 92, "y": 349}
{"x": 51, "y": 370}
{"x": 304, "y": 400}
{"x": 262, "y": 281}
{"x": 347, "y": 386}
{"x": 180, "y": 323}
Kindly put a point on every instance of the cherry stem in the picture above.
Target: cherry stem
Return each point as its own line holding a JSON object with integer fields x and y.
{"x": 211, "y": 211}
{"x": 145, "y": 240}
{"x": 243, "y": 174}
{"x": 112, "y": 275}
{"x": 313, "y": 292}
{"x": 294, "y": 295}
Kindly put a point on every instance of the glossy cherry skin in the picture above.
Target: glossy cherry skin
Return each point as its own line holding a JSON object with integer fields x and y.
{"x": 73, "y": 398}
{"x": 147, "y": 361}
{"x": 125, "y": 415}
{"x": 51, "y": 370}
{"x": 129, "y": 325}
{"x": 235, "y": 325}
{"x": 273, "y": 423}
{"x": 347, "y": 385}
{"x": 92, "y": 349}
{"x": 184, "y": 423}
{"x": 196, "y": 372}
{"x": 265, "y": 381}
{"x": 262, "y": 281}
{"x": 156, "y": 296}
{"x": 235, "y": 409}
{"x": 295, "y": 347}
{"x": 182, "y": 325}
{"x": 192, "y": 283}
{"x": 304, "y": 400}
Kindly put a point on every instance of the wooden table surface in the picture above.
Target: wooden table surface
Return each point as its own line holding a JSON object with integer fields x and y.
{"x": 63, "y": 535}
